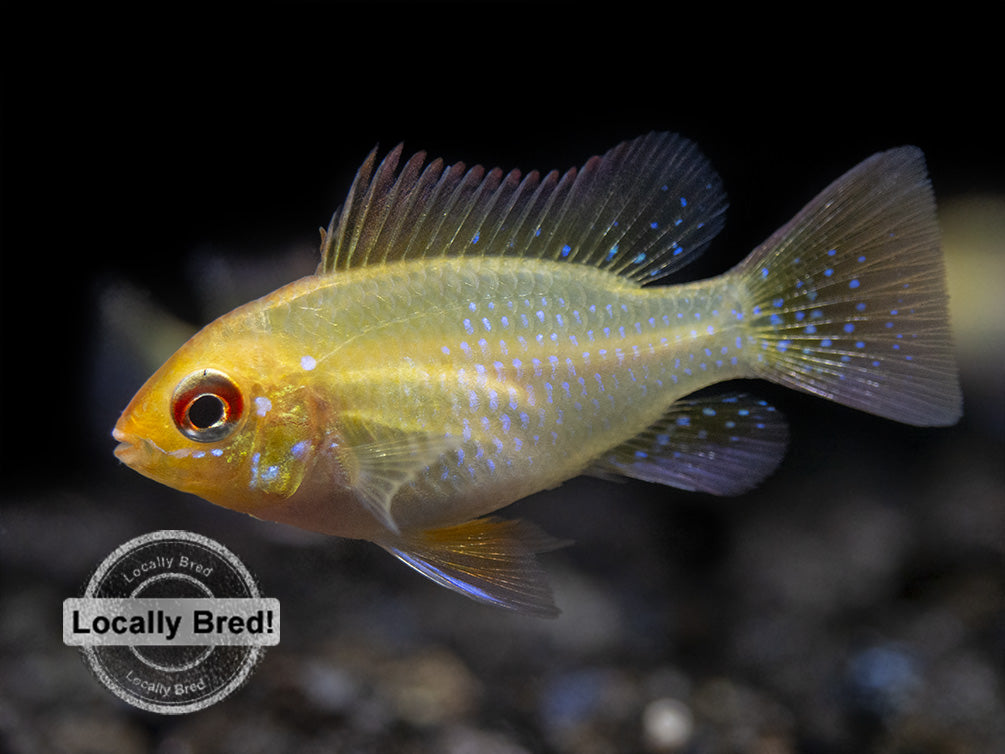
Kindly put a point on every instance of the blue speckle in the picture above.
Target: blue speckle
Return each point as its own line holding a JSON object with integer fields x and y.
{"x": 566, "y": 249}
{"x": 654, "y": 225}
{"x": 828, "y": 272}
{"x": 811, "y": 329}
{"x": 677, "y": 250}
{"x": 640, "y": 258}
{"x": 683, "y": 202}
{"x": 778, "y": 303}
{"x": 849, "y": 328}
{"x": 853, "y": 284}
{"x": 783, "y": 345}
{"x": 641, "y": 454}
{"x": 475, "y": 239}
{"x": 683, "y": 421}
{"x": 860, "y": 307}
{"x": 861, "y": 258}
{"x": 764, "y": 272}
{"x": 612, "y": 253}
{"x": 826, "y": 342}
{"x": 832, "y": 252}
{"x": 708, "y": 411}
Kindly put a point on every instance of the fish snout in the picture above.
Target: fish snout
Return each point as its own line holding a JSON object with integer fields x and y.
{"x": 128, "y": 448}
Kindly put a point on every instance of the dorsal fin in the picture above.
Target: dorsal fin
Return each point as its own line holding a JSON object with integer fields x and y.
{"x": 643, "y": 210}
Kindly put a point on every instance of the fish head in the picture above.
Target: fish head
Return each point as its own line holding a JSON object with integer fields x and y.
{"x": 220, "y": 420}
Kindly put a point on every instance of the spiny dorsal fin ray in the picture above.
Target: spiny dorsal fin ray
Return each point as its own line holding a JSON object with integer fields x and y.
{"x": 490, "y": 560}
{"x": 643, "y": 210}
{"x": 720, "y": 444}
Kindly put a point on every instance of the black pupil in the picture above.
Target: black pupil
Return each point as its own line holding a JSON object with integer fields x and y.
{"x": 205, "y": 411}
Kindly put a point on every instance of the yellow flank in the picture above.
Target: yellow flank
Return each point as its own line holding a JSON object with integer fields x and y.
{"x": 471, "y": 338}
{"x": 524, "y": 370}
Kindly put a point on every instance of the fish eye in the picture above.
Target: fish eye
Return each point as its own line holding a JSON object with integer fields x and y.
{"x": 207, "y": 406}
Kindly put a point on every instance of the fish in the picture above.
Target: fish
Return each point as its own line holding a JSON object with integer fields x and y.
{"x": 473, "y": 336}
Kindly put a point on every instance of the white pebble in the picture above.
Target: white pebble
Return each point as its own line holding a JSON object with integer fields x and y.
{"x": 667, "y": 724}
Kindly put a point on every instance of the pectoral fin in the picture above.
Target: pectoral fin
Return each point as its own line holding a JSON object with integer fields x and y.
{"x": 490, "y": 560}
{"x": 386, "y": 458}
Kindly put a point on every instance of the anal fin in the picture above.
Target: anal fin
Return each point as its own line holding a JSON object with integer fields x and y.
{"x": 720, "y": 444}
{"x": 490, "y": 560}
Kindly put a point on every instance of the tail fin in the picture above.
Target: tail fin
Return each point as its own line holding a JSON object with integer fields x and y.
{"x": 848, "y": 300}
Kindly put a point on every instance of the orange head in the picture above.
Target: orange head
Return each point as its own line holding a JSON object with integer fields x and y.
{"x": 223, "y": 420}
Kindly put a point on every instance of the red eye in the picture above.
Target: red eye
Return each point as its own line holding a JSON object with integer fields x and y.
{"x": 207, "y": 406}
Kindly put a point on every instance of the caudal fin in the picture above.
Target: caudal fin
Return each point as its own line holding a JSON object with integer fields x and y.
{"x": 848, "y": 300}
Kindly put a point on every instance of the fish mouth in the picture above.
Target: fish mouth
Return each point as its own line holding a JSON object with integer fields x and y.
{"x": 126, "y": 451}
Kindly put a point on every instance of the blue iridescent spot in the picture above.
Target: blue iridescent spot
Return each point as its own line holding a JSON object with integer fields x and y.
{"x": 640, "y": 258}
{"x": 853, "y": 284}
{"x": 683, "y": 202}
{"x": 475, "y": 239}
{"x": 654, "y": 225}
{"x": 828, "y": 272}
{"x": 566, "y": 249}
{"x": 832, "y": 252}
{"x": 849, "y": 328}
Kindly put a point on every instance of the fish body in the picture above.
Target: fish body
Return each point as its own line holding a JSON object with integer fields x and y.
{"x": 471, "y": 338}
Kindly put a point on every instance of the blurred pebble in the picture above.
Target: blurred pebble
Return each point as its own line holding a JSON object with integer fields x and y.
{"x": 430, "y": 688}
{"x": 465, "y": 740}
{"x": 883, "y": 679}
{"x": 667, "y": 724}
